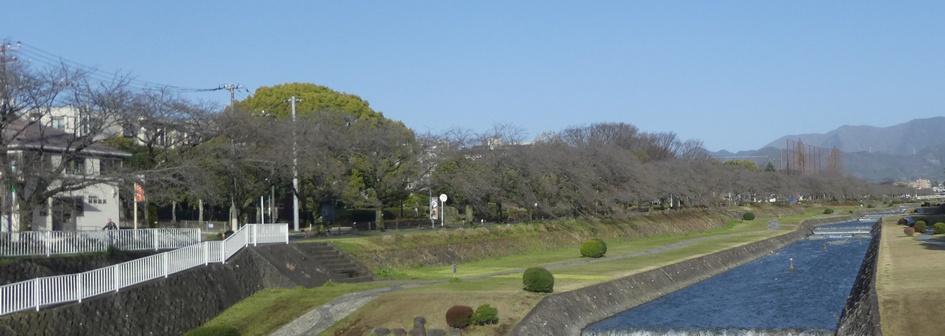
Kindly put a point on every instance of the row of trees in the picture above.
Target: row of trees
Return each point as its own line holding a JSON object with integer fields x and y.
{"x": 191, "y": 153}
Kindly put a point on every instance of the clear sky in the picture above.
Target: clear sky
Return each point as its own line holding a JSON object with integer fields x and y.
{"x": 733, "y": 74}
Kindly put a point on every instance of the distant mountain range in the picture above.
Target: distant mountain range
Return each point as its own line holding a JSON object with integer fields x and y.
{"x": 908, "y": 151}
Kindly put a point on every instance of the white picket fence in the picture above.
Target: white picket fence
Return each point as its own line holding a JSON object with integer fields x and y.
{"x": 46, "y": 243}
{"x": 45, "y": 291}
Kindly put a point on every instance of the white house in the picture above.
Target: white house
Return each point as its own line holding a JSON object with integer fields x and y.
{"x": 36, "y": 148}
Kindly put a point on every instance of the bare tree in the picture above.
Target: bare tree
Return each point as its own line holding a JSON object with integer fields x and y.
{"x": 52, "y": 122}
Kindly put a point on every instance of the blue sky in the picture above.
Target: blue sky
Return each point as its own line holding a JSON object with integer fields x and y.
{"x": 735, "y": 75}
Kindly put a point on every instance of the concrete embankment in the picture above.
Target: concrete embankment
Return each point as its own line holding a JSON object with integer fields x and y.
{"x": 172, "y": 305}
{"x": 861, "y": 314}
{"x": 569, "y": 312}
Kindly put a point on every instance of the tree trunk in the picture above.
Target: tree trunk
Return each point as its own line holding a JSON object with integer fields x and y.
{"x": 469, "y": 214}
{"x": 498, "y": 212}
{"x": 26, "y": 216}
{"x": 234, "y": 220}
{"x": 379, "y": 217}
{"x": 174, "y": 212}
{"x": 200, "y": 211}
{"x": 147, "y": 214}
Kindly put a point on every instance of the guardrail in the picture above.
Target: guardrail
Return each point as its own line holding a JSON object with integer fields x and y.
{"x": 46, "y": 243}
{"x": 46, "y": 291}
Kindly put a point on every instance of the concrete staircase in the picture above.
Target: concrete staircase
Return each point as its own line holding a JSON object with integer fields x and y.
{"x": 341, "y": 267}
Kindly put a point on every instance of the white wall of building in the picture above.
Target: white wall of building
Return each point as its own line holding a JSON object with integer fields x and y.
{"x": 69, "y": 120}
{"x": 100, "y": 203}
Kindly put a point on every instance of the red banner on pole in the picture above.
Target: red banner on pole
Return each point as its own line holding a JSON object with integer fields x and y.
{"x": 139, "y": 193}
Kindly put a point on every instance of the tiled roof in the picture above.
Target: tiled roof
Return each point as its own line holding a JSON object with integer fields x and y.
{"x": 32, "y": 135}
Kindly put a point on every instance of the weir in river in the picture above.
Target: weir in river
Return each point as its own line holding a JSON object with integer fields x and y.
{"x": 800, "y": 289}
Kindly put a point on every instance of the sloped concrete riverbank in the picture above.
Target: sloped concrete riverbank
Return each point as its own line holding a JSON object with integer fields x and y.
{"x": 568, "y": 313}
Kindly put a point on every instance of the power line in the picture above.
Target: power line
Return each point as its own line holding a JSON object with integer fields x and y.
{"x": 50, "y": 59}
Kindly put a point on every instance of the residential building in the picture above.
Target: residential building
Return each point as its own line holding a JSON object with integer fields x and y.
{"x": 46, "y": 153}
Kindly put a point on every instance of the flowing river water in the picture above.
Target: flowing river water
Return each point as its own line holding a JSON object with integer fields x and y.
{"x": 800, "y": 289}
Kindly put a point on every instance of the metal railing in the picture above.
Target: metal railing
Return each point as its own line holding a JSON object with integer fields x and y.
{"x": 46, "y": 291}
{"x": 46, "y": 243}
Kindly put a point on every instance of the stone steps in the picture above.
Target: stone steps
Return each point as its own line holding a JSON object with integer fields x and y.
{"x": 341, "y": 267}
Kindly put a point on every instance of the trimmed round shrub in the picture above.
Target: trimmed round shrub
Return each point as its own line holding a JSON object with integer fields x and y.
{"x": 537, "y": 279}
{"x": 485, "y": 314}
{"x": 828, "y": 211}
{"x": 602, "y": 242}
{"x": 459, "y": 316}
{"x": 748, "y": 216}
{"x": 939, "y": 228}
{"x": 214, "y": 331}
{"x": 902, "y": 221}
{"x": 919, "y": 226}
{"x": 593, "y": 249}
{"x": 908, "y": 231}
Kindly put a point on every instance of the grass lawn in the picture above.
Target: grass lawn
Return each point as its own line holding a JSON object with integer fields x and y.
{"x": 909, "y": 282}
{"x": 397, "y": 309}
{"x": 755, "y": 230}
{"x": 269, "y": 309}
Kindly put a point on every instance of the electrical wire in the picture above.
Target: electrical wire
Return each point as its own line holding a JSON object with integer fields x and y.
{"x": 49, "y": 59}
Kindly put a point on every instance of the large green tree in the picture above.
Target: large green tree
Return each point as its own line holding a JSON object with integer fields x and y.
{"x": 344, "y": 149}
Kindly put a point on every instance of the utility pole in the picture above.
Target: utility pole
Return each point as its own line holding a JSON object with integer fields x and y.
{"x": 8, "y": 196}
{"x": 295, "y": 170}
{"x": 232, "y": 88}
{"x": 234, "y": 221}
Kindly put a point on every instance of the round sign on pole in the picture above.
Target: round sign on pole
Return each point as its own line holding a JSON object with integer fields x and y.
{"x": 442, "y": 197}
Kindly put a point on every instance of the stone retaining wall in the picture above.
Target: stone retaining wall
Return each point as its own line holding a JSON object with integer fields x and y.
{"x": 22, "y": 269}
{"x": 569, "y": 312}
{"x": 168, "y": 306}
{"x": 861, "y": 314}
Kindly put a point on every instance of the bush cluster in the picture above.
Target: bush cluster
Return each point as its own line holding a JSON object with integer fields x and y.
{"x": 919, "y": 226}
{"x": 748, "y": 216}
{"x": 537, "y": 279}
{"x": 213, "y": 331}
{"x": 594, "y": 248}
{"x": 939, "y": 228}
{"x": 459, "y": 316}
{"x": 828, "y": 211}
{"x": 485, "y": 314}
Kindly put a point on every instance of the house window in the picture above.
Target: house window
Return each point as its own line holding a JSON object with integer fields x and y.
{"x": 77, "y": 166}
{"x": 128, "y": 131}
{"x": 107, "y": 166}
{"x": 59, "y": 122}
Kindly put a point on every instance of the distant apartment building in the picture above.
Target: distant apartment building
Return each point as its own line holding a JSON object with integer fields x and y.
{"x": 920, "y": 184}
{"x": 75, "y": 121}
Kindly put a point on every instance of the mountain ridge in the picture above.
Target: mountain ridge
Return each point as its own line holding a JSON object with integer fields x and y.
{"x": 907, "y": 151}
{"x": 902, "y": 139}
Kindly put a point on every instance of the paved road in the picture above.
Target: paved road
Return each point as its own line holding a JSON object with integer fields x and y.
{"x": 322, "y": 318}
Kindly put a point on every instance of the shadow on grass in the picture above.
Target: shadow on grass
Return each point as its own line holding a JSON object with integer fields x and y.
{"x": 934, "y": 245}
